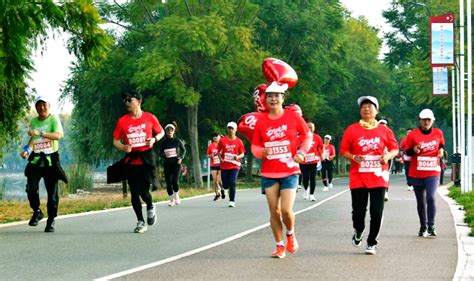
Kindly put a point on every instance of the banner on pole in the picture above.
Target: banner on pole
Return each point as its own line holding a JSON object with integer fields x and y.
{"x": 442, "y": 40}
{"x": 440, "y": 81}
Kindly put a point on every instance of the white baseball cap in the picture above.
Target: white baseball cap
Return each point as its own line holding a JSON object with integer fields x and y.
{"x": 41, "y": 98}
{"x": 369, "y": 98}
{"x": 232, "y": 125}
{"x": 383, "y": 121}
{"x": 327, "y": 137}
{"x": 427, "y": 114}
{"x": 276, "y": 88}
{"x": 170, "y": 126}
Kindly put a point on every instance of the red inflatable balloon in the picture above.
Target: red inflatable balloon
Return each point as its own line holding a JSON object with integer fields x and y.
{"x": 246, "y": 124}
{"x": 280, "y": 71}
{"x": 294, "y": 107}
{"x": 259, "y": 98}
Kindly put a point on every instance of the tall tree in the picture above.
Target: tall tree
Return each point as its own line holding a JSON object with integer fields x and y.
{"x": 23, "y": 27}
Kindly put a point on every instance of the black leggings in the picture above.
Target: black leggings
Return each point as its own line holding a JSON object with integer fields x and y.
{"x": 171, "y": 177}
{"x": 360, "y": 198}
{"x": 139, "y": 187}
{"x": 326, "y": 172}
{"x": 51, "y": 184}
{"x": 309, "y": 176}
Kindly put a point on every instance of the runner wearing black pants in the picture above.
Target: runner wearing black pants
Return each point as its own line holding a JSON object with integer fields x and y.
{"x": 309, "y": 166}
{"x": 329, "y": 152}
{"x": 173, "y": 151}
{"x": 135, "y": 134}
{"x": 369, "y": 146}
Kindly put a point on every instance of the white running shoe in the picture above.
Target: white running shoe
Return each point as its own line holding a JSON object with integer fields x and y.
{"x": 151, "y": 216}
{"x": 330, "y": 185}
{"x": 141, "y": 227}
{"x": 370, "y": 249}
{"x": 325, "y": 188}
{"x": 177, "y": 200}
{"x": 305, "y": 194}
{"x": 172, "y": 202}
{"x": 231, "y": 204}
{"x": 311, "y": 198}
{"x": 410, "y": 188}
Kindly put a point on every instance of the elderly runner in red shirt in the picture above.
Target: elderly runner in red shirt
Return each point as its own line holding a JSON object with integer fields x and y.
{"x": 364, "y": 143}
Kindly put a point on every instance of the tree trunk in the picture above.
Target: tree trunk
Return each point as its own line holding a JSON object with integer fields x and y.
{"x": 194, "y": 143}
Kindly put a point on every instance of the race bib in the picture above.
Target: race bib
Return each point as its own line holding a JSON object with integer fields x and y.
{"x": 229, "y": 157}
{"x": 137, "y": 139}
{"x": 310, "y": 157}
{"x": 170, "y": 153}
{"x": 425, "y": 163}
{"x": 406, "y": 158}
{"x": 370, "y": 164}
{"x": 278, "y": 149}
{"x": 43, "y": 145}
{"x": 216, "y": 160}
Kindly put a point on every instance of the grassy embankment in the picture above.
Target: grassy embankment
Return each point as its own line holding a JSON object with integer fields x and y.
{"x": 18, "y": 211}
{"x": 467, "y": 201}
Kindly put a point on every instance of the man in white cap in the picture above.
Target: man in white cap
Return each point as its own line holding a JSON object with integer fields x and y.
{"x": 43, "y": 162}
{"x": 231, "y": 150}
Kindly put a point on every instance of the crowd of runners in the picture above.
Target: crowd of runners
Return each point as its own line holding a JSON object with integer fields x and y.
{"x": 289, "y": 148}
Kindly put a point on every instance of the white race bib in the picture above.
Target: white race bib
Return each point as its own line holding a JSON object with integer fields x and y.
{"x": 170, "y": 152}
{"x": 43, "y": 145}
{"x": 425, "y": 163}
{"x": 278, "y": 149}
{"x": 216, "y": 159}
{"x": 370, "y": 164}
{"x": 137, "y": 139}
{"x": 310, "y": 157}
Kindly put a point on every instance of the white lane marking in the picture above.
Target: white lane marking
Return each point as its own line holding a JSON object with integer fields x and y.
{"x": 207, "y": 247}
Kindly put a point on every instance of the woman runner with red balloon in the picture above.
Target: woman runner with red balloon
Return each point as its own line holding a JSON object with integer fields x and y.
{"x": 275, "y": 142}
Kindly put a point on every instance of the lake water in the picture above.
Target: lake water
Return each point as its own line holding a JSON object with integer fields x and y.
{"x": 15, "y": 184}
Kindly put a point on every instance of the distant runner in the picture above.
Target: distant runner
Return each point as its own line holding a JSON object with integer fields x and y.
{"x": 213, "y": 154}
{"x": 231, "y": 150}
{"x": 329, "y": 152}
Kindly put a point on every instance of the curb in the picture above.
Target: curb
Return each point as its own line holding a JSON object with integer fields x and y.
{"x": 465, "y": 264}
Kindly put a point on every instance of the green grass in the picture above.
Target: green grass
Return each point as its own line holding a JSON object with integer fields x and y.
{"x": 467, "y": 201}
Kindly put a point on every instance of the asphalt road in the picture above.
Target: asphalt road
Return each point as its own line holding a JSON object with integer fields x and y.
{"x": 204, "y": 240}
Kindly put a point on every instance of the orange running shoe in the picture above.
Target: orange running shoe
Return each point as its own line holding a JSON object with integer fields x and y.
{"x": 291, "y": 243}
{"x": 279, "y": 252}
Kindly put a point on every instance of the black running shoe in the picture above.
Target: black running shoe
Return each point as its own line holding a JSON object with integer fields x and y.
{"x": 151, "y": 216}
{"x": 223, "y": 193}
{"x": 216, "y": 197}
{"x": 422, "y": 232}
{"x": 357, "y": 239}
{"x": 49, "y": 226}
{"x": 37, "y": 216}
{"x": 432, "y": 232}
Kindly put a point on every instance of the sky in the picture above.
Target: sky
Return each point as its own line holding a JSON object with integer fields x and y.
{"x": 53, "y": 63}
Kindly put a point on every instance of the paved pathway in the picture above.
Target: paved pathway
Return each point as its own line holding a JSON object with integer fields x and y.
{"x": 202, "y": 239}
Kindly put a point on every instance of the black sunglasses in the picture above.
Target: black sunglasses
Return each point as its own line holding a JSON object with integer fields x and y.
{"x": 128, "y": 99}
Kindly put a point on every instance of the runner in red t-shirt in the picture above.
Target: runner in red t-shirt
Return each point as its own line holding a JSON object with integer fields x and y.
{"x": 231, "y": 150}
{"x": 406, "y": 159}
{"x": 215, "y": 163}
{"x": 275, "y": 141}
{"x": 329, "y": 152}
{"x": 139, "y": 131}
{"x": 310, "y": 165}
{"x": 426, "y": 146}
{"x": 364, "y": 143}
